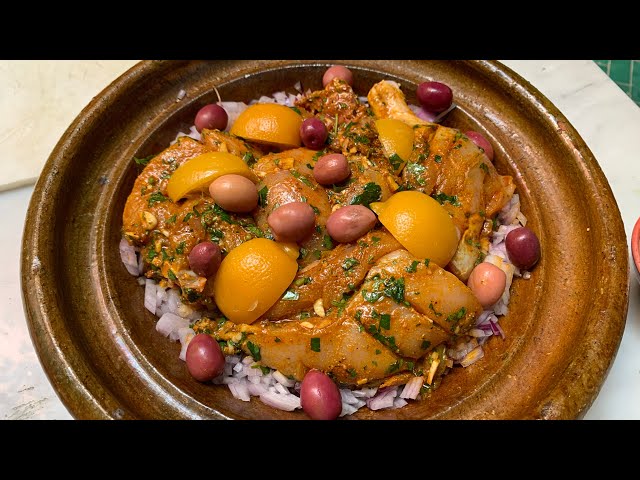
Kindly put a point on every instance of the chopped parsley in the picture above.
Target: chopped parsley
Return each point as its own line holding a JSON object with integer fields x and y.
{"x": 426, "y": 262}
{"x": 443, "y": 197}
{"x": 349, "y": 263}
{"x": 413, "y": 267}
{"x": 326, "y": 242}
{"x": 385, "y": 321}
{"x": 262, "y": 196}
{"x": 224, "y": 216}
{"x": 433, "y": 309}
{"x": 296, "y": 109}
{"x": 371, "y": 193}
{"x": 302, "y": 178}
{"x": 352, "y": 372}
{"x": 172, "y": 275}
{"x": 187, "y": 217}
{"x": 156, "y": 197}
{"x": 396, "y": 161}
{"x": 425, "y": 344}
{"x": 375, "y": 240}
{"x": 249, "y": 159}
{"x": 143, "y": 161}
{"x": 457, "y": 316}
{"x": 484, "y": 167}
{"x": 255, "y": 351}
{"x": 315, "y": 344}
{"x": 437, "y": 158}
{"x": 171, "y": 219}
{"x": 302, "y": 281}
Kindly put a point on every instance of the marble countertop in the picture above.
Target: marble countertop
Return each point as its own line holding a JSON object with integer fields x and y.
{"x": 31, "y": 100}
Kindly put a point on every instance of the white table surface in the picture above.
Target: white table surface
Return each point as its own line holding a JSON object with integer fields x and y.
{"x": 604, "y": 116}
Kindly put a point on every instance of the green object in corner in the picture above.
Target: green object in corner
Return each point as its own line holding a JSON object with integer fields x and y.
{"x": 626, "y": 74}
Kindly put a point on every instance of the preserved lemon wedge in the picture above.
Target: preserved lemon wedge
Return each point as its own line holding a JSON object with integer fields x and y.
{"x": 397, "y": 139}
{"x": 269, "y": 123}
{"x": 251, "y": 278}
{"x": 199, "y": 172}
{"x": 420, "y": 224}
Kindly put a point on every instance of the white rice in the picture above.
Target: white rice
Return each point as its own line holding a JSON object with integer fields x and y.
{"x": 245, "y": 377}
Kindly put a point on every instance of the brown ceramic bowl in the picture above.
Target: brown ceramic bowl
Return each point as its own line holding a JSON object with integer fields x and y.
{"x": 98, "y": 344}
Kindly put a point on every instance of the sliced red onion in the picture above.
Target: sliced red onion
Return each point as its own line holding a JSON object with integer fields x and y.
{"x": 240, "y": 390}
{"x": 169, "y": 323}
{"x": 256, "y": 389}
{"x": 423, "y": 114}
{"x": 234, "y": 109}
{"x": 282, "y": 402}
{"x": 128, "y": 257}
{"x": 150, "y": 295}
{"x": 441, "y": 115}
{"x": 280, "y": 378}
{"x": 412, "y": 389}
{"x": 399, "y": 402}
{"x": 383, "y": 399}
{"x": 348, "y": 409}
{"x": 185, "y": 334}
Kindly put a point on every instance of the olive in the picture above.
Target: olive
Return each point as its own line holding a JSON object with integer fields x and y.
{"x": 523, "y": 247}
{"x": 320, "y": 396}
{"x": 234, "y": 193}
{"x": 212, "y": 117}
{"x": 349, "y": 223}
{"x": 313, "y": 133}
{"x": 205, "y": 259}
{"x": 434, "y": 96}
{"x": 487, "y": 282}
{"x": 292, "y": 222}
{"x": 330, "y": 169}
{"x": 481, "y": 142}
{"x": 204, "y": 358}
{"x": 337, "y": 71}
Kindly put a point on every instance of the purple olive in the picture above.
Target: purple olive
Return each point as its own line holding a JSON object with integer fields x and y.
{"x": 349, "y": 223}
{"x": 205, "y": 259}
{"x": 313, "y": 133}
{"x": 292, "y": 222}
{"x": 319, "y": 396}
{"x": 481, "y": 142}
{"x": 434, "y": 96}
{"x": 523, "y": 247}
{"x": 212, "y": 117}
{"x": 330, "y": 169}
{"x": 204, "y": 358}
{"x": 337, "y": 71}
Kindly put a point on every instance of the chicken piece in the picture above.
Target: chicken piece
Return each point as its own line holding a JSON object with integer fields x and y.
{"x": 429, "y": 289}
{"x": 454, "y": 171}
{"x": 225, "y": 142}
{"x": 397, "y": 326}
{"x": 336, "y": 345}
{"x": 336, "y": 101}
{"x": 354, "y": 344}
{"x": 365, "y": 185}
{"x": 302, "y": 159}
{"x": 168, "y": 231}
{"x": 149, "y": 192}
{"x": 387, "y": 101}
{"x": 339, "y": 272}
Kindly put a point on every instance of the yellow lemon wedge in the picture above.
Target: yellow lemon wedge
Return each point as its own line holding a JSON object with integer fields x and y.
{"x": 269, "y": 123}
{"x": 420, "y": 224}
{"x": 200, "y": 171}
{"x": 251, "y": 279}
{"x": 397, "y": 139}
